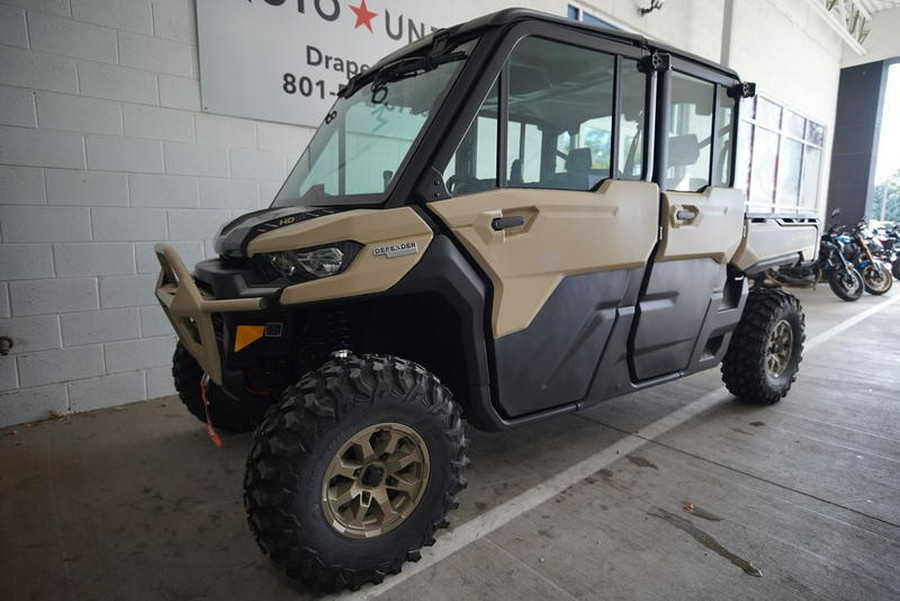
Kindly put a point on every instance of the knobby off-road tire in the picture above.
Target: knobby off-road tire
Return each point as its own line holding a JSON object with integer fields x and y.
{"x": 847, "y": 285}
{"x": 314, "y": 493}
{"x": 877, "y": 280}
{"x": 766, "y": 348}
{"x": 225, "y": 412}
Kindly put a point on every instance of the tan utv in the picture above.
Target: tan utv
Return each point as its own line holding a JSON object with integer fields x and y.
{"x": 512, "y": 219}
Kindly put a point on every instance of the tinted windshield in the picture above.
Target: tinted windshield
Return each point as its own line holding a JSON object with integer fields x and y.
{"x": 359, "y": 150}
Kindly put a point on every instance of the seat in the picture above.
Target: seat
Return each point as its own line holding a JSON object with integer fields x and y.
{"x": 578, "y": 163}
{"x": 578, "y": 171}
{"x": 515, "y": 173}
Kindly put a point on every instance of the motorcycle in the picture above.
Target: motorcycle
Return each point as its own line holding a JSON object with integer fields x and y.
{"x": 831, "y": 265}
{"x": 889, "y": 240}
{"x": 858, "y": 250}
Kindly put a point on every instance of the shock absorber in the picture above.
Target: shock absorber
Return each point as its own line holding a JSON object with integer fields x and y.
{"x": 339, "y": 333}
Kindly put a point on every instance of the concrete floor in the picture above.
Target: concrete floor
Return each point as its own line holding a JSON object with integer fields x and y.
{"x": 136, "y": 503}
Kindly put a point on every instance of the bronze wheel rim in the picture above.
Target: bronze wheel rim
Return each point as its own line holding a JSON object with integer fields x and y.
{"x": 375, "y": 481}
{"x": 778, "y": 354}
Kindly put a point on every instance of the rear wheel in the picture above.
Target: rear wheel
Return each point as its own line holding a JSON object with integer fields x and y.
{"x": 353, "y": 470}
{"x": 225, "y": 412}
{"x": 766, "y": 348}
{"x": 846, "y": 284}
{"x": 877, "y": 280}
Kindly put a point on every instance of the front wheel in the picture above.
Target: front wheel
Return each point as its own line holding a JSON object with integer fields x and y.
{"x": 877, "y": 280}
{"x": 225, "y": 412}
{"x": 846, "y": 284}
{"x": 766, "y": 348}
{"x": 351, "y": 473}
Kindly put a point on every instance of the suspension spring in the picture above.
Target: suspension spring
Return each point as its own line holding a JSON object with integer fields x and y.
{"x": 339, "y": 330}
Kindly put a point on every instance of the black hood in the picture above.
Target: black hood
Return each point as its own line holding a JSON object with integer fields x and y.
{"x": 233, "y": 238}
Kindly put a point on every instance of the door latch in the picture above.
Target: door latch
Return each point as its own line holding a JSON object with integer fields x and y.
{"x": 503, "y": 223}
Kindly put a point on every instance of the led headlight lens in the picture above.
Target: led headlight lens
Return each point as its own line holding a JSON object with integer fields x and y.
{"x": 317, "y": 262}
{"x": 283, "y": 264}
{"x": 322, "y": 261}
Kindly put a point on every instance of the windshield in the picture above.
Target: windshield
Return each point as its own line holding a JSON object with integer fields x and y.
{"x": 358, "y": 151}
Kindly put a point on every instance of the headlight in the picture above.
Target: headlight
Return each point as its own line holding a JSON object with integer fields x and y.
{"x": 319, "y": 262}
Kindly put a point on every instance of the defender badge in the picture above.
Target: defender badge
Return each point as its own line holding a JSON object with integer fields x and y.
{"x": 392, "y": 251}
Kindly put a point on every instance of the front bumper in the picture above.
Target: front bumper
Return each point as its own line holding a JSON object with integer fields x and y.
{"x": 190, "y": 310}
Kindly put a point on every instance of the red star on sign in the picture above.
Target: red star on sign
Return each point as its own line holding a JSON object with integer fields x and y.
{"x": 363, "y": 15}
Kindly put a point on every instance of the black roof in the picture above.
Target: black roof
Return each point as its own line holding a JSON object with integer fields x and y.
{"x": 510, "y": 16}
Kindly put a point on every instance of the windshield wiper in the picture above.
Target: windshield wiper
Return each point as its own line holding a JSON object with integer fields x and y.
{"x": 406, "y": 67}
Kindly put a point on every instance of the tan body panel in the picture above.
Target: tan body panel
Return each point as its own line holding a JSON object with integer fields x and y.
{"x": 369, "y": 273}
{"x": 714, "y": 231}
{"x": 565, "y": 233}
{"x": 770, "y": 239}
{"x": 188, "y": 309}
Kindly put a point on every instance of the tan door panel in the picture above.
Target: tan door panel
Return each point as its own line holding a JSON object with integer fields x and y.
{"x": 564, "y": 233}
{"x": 705, "y": 224}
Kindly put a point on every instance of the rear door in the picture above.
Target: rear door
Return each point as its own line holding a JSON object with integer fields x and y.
{"x": 701, "y": 225}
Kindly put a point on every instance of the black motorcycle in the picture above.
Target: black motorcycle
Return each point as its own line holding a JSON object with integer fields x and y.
{"x": 865, "y": 252}
{"x": 845, "y": 281}
{"x": 889, "y": 240}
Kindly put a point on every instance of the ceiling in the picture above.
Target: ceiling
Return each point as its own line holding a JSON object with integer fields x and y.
{"x": 852, "y": 19}
{"x": 875, "y": 6}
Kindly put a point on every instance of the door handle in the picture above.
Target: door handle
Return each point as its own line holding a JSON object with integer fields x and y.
{"x": 503, "y": 223}
{"x": 685, "y": 215}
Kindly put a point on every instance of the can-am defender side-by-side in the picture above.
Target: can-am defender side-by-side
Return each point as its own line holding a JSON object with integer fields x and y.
{"x": 511, "y": 219}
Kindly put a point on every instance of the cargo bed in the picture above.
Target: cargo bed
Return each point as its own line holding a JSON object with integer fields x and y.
{"x": 772, "y": 240}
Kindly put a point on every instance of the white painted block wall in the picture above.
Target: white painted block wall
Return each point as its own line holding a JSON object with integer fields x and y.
{"x": 104, "y": 151}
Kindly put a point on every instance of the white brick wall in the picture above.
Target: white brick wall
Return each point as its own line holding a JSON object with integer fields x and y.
{"x": 4, "y": 299}
{"x": 99, "y": 326}
{"x": 22, "y": 185}
{"x": 93, "y": 258}
{"x": 58, "y": 35}
{"x": 17, "y": 107}
{"x": 86, "y": 188}
{"x": 12, "y": 27}
{"x": 103, "y": 153}
{"x": 78, "y": 114}
{"x": 26, "y": 261}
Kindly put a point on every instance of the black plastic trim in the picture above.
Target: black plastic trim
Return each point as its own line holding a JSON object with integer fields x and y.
{"x": 445, "y": 271}
{"x": 788, "y": 260}
{"x": 552, "y": 362}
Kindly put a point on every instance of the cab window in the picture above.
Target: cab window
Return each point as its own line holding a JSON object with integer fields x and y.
{"x": 473, "y": 167}
{"x": 700, "y": 142}
{"x": 689, "y": 144}
{"x": 562, "y": 130}
{"x": 561, "y": 94}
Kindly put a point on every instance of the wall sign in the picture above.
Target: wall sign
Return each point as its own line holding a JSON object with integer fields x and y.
{"x": 284, "y": 60}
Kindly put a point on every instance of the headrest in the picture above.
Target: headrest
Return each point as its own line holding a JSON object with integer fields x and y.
{"x": 683, "y": 150}
{"x": 579, "y": 161}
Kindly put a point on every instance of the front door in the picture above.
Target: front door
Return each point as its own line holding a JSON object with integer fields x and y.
{"x": 548, "y": 202}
